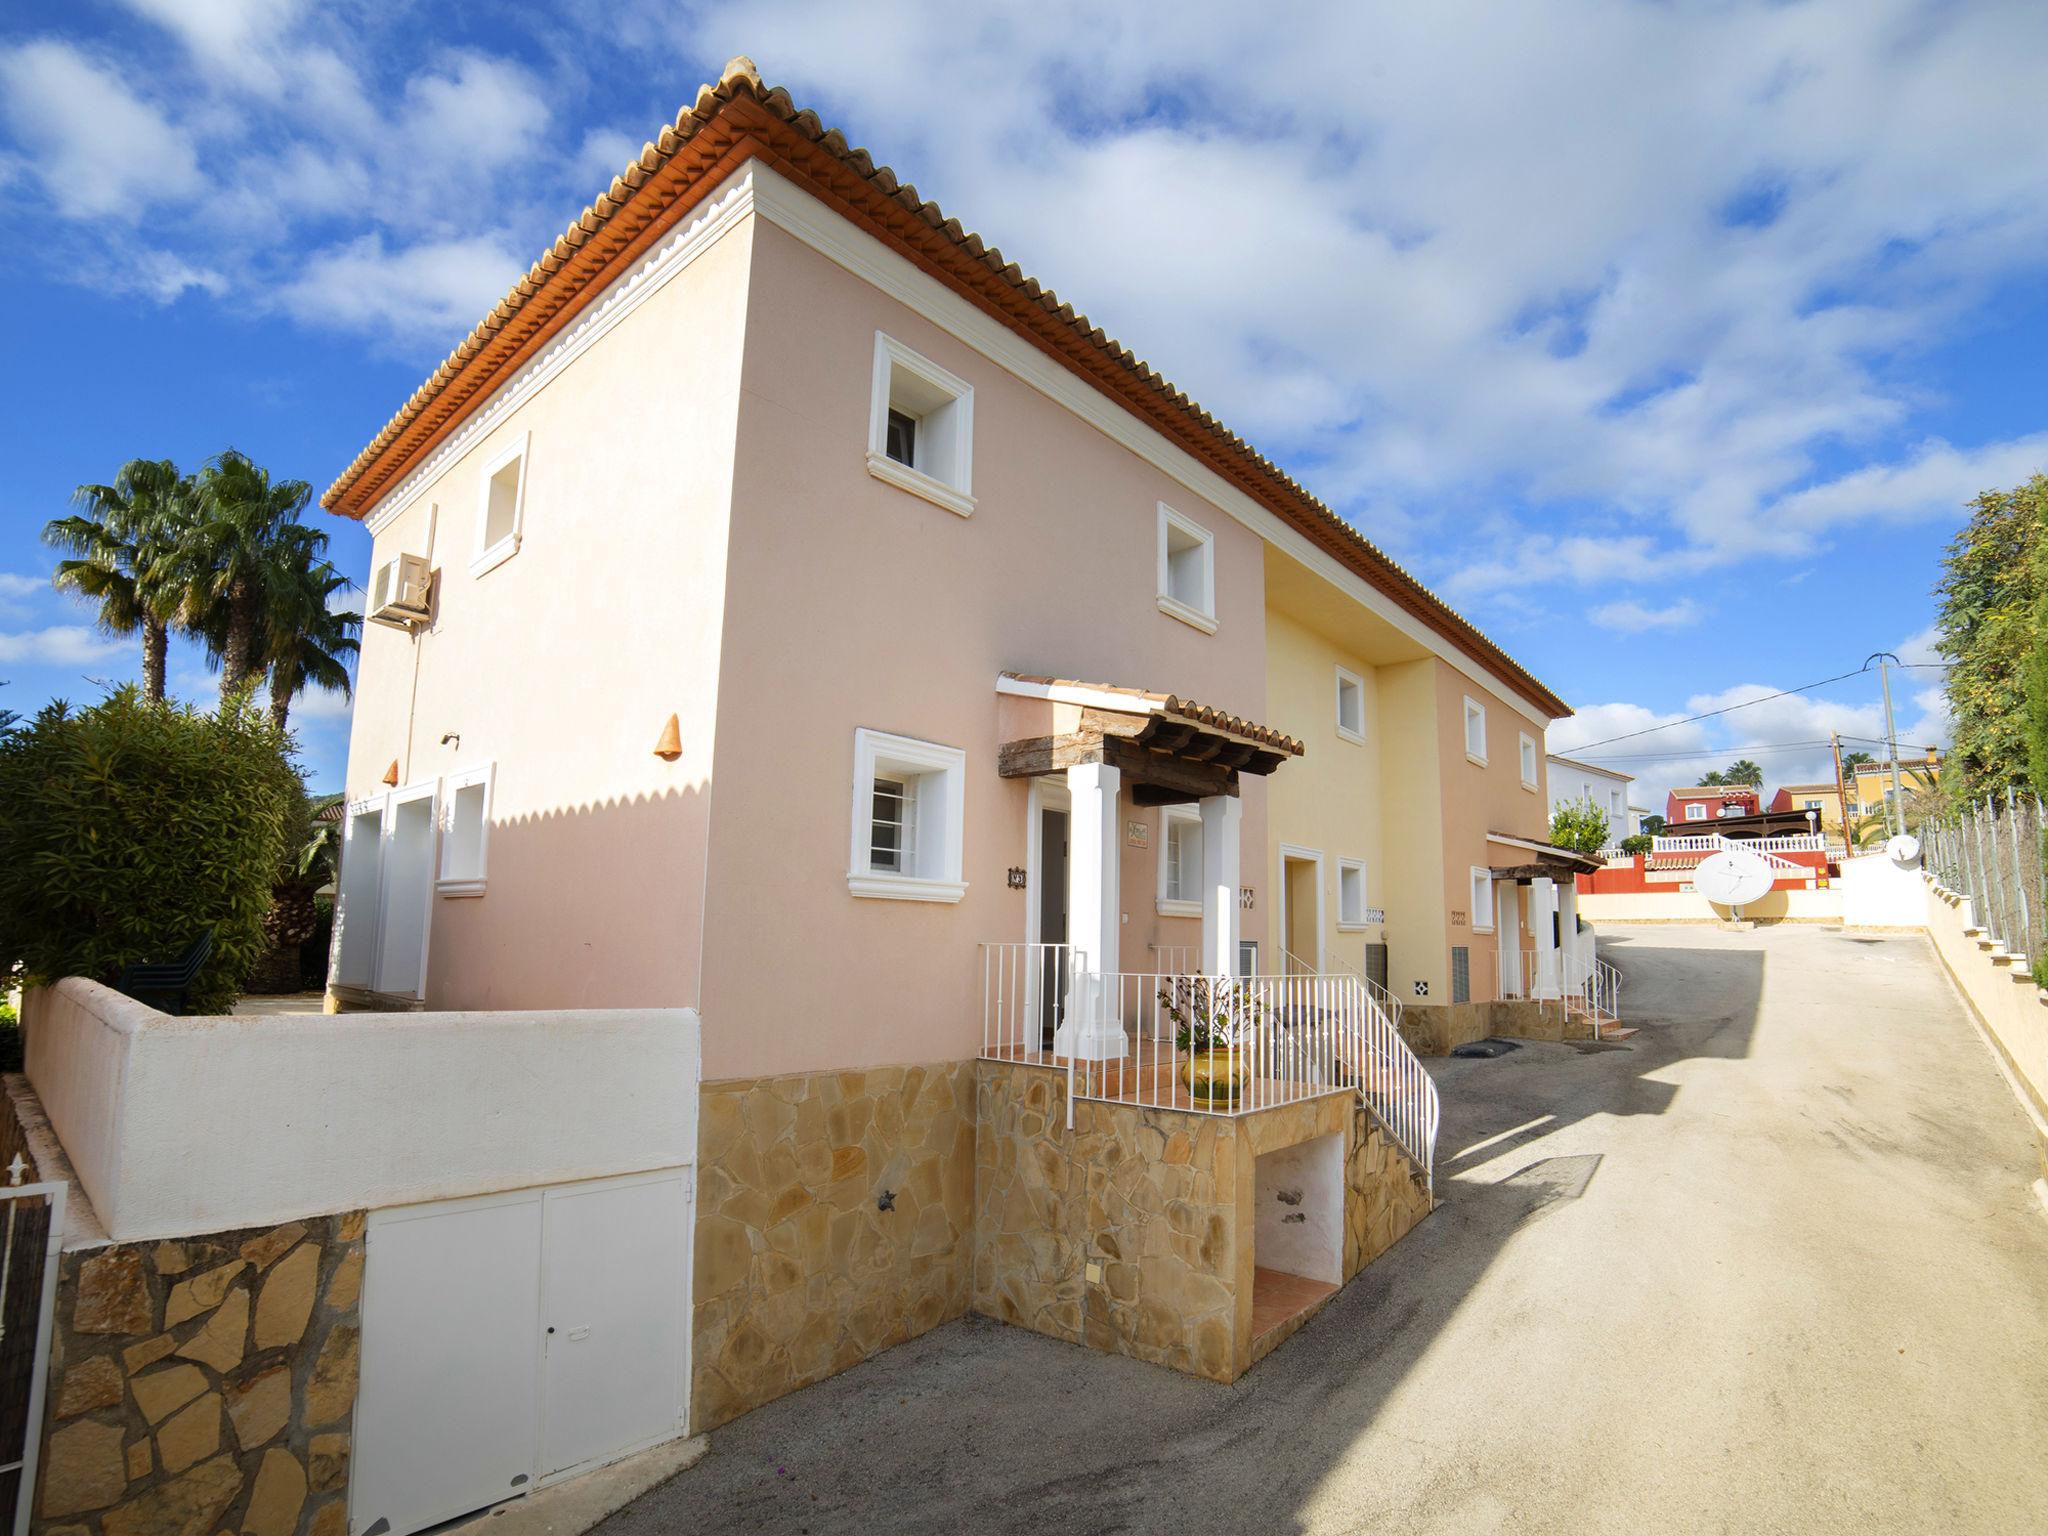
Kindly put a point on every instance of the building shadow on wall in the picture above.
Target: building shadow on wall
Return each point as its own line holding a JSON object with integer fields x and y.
{"x": 589, "y": 906}
{"x": 976, "y": 1426}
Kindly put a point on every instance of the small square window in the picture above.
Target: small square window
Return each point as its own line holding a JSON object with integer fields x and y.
{"x": 908, "y": 813}
{"x": 1187, "y": 570}
{"x": 466, "y": 844}
{"x": 921, "y": 427}
{"x": 501, "y": 507}
{"x": 1695, "y": 811}
{"x": 1528, "y": 761}
{"x": 1482, "y": 899}
{"x": 1475, "y": 732}
{"x": 1350, "y": 706}
{"x": 1180, "y": 864}
{"x": 1350, "y": 894}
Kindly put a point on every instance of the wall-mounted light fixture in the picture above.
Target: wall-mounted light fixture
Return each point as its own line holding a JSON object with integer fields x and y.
{"x": 671, "y": 744}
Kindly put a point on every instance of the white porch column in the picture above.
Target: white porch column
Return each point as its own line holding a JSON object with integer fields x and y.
{"x": 1093, "y": 1029}
{"x": 1568, "y": 919}
{"x": 1222, "y": 816}
{"x": 1543, "y": 910}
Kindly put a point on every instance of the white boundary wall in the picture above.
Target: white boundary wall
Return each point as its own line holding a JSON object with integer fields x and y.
{"x": 2000, "y": 989}
{"x": 178, "y": 1126}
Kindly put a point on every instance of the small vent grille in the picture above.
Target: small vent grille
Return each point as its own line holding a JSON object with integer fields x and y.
{"x": 1461, "y": 974}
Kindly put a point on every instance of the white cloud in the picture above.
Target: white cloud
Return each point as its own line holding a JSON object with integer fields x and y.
{"x": 1631, "y": 617}
{"x": 12, "y": 586}
{"x": 62, "y": 645}
{"x": 98, "y": 148}
{"x": 426, "y": 290}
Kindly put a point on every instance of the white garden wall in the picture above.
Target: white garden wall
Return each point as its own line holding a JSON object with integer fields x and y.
{"x": 178, "y": 1126}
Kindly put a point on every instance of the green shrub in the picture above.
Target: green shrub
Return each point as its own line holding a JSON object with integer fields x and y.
{"x": 1642, "y": 842}
{"x": 130, "y": 829}
{"x": 1579, "y": 825}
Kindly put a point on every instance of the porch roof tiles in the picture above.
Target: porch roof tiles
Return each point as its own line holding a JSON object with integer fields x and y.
{"x": 740, "y": 117}
{"x": 1180, "y": 708}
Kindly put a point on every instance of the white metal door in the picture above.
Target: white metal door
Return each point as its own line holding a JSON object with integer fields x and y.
{"x": 615, "y": 1296}
{"x": 410, "y": 821}
{"x": 355, "y": 901}
{"x": 448, "y": 1416}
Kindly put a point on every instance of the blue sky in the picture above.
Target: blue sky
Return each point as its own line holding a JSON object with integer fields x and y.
{"x": 1667, "y": 342}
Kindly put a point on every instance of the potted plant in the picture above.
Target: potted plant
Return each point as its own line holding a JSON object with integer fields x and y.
{"x": 1200, "y": 1007}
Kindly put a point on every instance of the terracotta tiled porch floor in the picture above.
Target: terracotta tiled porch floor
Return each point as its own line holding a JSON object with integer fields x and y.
{"x": 1152, "y": 1078}
{"x": 1279, "y": 1298}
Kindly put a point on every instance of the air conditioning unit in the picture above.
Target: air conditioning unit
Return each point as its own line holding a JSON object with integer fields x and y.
{"x": 399, "y": 592}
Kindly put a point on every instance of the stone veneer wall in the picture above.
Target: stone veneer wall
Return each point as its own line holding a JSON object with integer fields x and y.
{"x": 799, "y": 1274}
{"x": 1437, "y": 1029}
{"x": 1150, "y": 1195}
{"x": 205, "y": 1385}
{"x": 1162, "y": 1200}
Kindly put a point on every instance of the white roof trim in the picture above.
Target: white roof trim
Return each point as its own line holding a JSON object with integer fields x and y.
{"x": 1090, "y": 698}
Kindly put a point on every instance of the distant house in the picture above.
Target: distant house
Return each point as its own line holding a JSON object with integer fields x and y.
{"x": 1572, "y": 782}
{"x": 1824, "y": 798}
{"x": 1711, "y": 802}
{"x": 1870, "y": 786}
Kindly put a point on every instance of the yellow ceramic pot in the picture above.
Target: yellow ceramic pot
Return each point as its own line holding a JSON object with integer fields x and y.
{"x": 1213, "y": 1077}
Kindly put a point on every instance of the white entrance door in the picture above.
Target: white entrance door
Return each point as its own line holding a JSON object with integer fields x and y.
{"x": 509, "y": 1339}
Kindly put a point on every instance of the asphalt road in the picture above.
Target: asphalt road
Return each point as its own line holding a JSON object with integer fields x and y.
{"x": 1773, "y": 1265}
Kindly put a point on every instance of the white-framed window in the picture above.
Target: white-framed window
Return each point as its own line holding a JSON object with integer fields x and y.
{"x": 1475, "y": 731}
{"x": 466, "y": 838}
{"x": 1350, "y": 706}
{"x": 1482, "y": 899}
{"x": 1616, "y": 809}
{"x": 921, "y": 427}
{"x": 1187, "y": 570}
{"x": 1695, "y": 810}
{"x": 908, "y": 811}
{"x": 1528, "y": 759}
{"x": 501, "y": 506}
{"x": 1180, "y": 863}
{"x": 1809, "y": 805}
{"x": 1350, "y": 894}
{"x": 1729, "y": 808}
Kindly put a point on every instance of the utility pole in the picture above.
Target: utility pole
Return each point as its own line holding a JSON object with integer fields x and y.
{"x": 1842, "y": 794}
{"x": 1884, "y": 660}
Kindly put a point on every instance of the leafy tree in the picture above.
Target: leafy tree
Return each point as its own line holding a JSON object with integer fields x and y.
{"x": 1989, "y": 592}
{"x": 1853, "y": 761}
{"x": 307, "y": 853}
{"x": 134, "y": 826}
{"x": 121, "y": 543}
{"x": 1654, "y": 825}
{"x": 1741, "y": 771}
{"x": 2037, "y": 675}
{"x": 1579, "y": 825}
{"x": 240, "y": 556}
{"x": 1640, "y": 843}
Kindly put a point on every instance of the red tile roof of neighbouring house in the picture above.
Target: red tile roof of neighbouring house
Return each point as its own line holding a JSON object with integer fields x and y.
{"x": 740, "y": 119}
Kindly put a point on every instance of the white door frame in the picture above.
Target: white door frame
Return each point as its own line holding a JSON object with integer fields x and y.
{"x": 430, "y": 791}
{"x": 1311, "y": 856}
{"x": 1045, "y": 795}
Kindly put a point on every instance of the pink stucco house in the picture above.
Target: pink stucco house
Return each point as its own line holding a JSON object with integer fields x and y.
{"x": 787, "y": 609}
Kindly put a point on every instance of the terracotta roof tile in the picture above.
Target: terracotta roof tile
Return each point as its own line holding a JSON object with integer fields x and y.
{"x": 1185, "y": 709}
{"x": 741, "y": 115}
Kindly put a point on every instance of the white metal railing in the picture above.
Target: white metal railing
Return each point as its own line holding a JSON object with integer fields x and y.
{"x": 1281, "y": 1038}
{"x": 1389, "y": 1004}
{"x": 1024, "y": 996}
{"x": 1588, "y": 987}
{"x": 1714, "y": 842}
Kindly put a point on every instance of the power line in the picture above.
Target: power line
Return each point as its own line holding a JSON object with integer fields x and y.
{"x": 1783, "y": 693}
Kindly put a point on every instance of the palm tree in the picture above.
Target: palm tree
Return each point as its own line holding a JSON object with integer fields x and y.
{"x": 123, "y": 542}
{"x": 238, "y": 554}
{"x": 305, "y": 643}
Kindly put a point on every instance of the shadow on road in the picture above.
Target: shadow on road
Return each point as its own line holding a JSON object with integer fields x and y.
{"x": 979, "y": 1427}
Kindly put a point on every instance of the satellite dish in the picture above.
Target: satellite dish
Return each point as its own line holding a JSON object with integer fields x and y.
{"x": 1904, "y": 848}
{"x": 1734, "y": 878}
